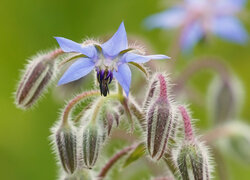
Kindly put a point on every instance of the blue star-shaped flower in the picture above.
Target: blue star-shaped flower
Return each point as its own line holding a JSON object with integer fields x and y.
{"x": 198, "y": 18}
{"x": 108, "y": 59}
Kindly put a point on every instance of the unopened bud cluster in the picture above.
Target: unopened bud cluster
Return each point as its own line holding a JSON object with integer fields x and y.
{"x": 78, "y": 146}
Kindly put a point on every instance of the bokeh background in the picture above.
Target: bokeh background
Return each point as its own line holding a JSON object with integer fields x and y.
{"x": 28, "y": 26}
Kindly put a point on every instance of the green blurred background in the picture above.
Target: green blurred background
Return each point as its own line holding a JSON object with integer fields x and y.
{"x": 28, "y": 26}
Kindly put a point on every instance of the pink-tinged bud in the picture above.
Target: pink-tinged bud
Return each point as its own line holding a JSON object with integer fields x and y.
{"x": 159, "y": 122}
{"x": 37, "y": 76}
{"x": 187, "y": 124}
{"x": 192, "y": 160}
{"x": 192, "y": 157}
{"x": 91, "y": 143}
{"x": 65, "y": 142}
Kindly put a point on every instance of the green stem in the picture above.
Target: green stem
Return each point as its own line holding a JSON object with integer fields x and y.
{"x": 74, "y": 101}
{"x": 140, "y": 116}
{"x": 100, "y": 103}
{"x": 124, "y": 102}
{"x": 113, "y": 160}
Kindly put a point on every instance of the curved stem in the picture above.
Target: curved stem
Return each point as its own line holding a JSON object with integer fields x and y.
{"x": 74, "y": 101}
{"x": 140, "y": 116}
{"x": 124, "y": 102}
{"x": 113, "y": 160}
{"x": 198, "y": 65}
{"x": 100, "y": 103}
{"x": 217, "y": 133}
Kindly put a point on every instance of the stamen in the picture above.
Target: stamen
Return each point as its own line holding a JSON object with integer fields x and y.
{"x": 104, "y": 78}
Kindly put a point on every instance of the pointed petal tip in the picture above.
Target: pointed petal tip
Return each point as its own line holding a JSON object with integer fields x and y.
{"x": 122, "y": 24}
{"x": 60, "y": 82}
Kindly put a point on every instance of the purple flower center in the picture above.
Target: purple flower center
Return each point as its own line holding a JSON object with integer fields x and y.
{"x": 104, "y": 78}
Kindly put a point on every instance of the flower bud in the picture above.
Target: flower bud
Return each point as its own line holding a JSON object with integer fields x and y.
{"x": 66, "y": 146}
{"x": 92, "y": 138}
{"x": 108, "y": 116}
{"x": 151, "y": 91}
{"x": 80, "y": 174}
{"x": 236, "y": 143}
{"x": 37, "y": 76}
{"x": 225, "y": 98}
{"x": 159, "y": 122}
{"x": 192, "y": 161}
{"x": 192, "y": 157}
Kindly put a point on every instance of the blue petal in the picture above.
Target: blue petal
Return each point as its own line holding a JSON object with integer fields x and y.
{"x": 123, "y": 76}
{"x": 191, "y": 36}
{"x": 230, "y": 28}
{"x": 116, "y": 43}
{"x": 131, "y": 57}
{"x": 168, "y": 19}
{"x": 229, "y": 5}
{"x": 78, "y": 69}
{"x": 71, "y": 46}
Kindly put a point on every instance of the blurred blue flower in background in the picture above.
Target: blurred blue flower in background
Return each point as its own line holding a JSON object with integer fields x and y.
{"x": 199, "y": 18}
{"x": 109, "y": 59}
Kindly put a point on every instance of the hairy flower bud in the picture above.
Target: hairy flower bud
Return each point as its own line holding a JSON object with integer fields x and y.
{"x": 92, "y": 138}
{"x": 192, "y": 161}
{"x": 225, "y": 98}
{"x": 151, "y": 92}
{"x": 37, "y": 76}
{"x": 65, "y": 139}
{"x": 192, "y": 158}
{"x": 80, "y": 174}
{"x": 236, "y": 143}
{"x": 108, "y": 117}
{"x": 159, "y": 122}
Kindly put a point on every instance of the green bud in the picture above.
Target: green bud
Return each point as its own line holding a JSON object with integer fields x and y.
{"x": 65, "y": 139}
{"x": 225, "y": 97}
{"x": 92, "y": 139}
{"x": 192, "y": 161}
{"x": 80, "y": 174}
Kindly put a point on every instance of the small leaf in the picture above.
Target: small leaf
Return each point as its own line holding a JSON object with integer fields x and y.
{"x": 137, "y": 153}
{"x": 71, "y": 58}
{"x": 141, "y": 67}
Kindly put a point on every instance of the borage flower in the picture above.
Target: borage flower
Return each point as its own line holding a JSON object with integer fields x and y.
{"x": 199, "y": 18}
{"x": 108, "y": 59}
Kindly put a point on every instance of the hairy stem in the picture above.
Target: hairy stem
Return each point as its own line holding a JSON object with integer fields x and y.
{"x": 76, "y": 100}
{"x": 113, "y": 160}
{"x": 140, "y": 116}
